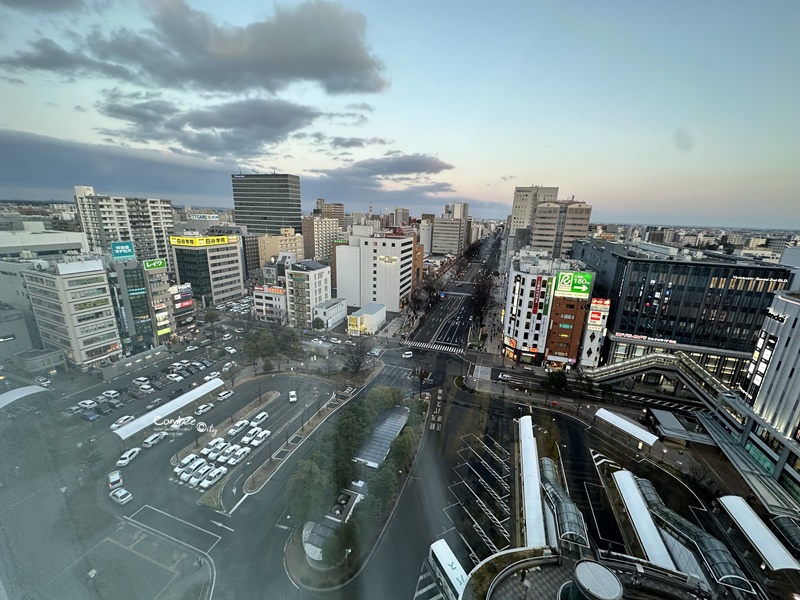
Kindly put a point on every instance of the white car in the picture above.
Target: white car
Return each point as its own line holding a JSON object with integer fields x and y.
{"x": 187, "y": 460}
{"x": 250, "y": 435}
{"x": 121, "y": 496}
{"x": 226, "y": 454}
{"x": 174, "y": 377}
{"x": 212, "y": 445}
{"x": 261, "y": 437}
{"x": 317, "y": 341}
{"x": 87, "y": 404}
{"x": 189, "y": 469}
{"x": 182, "y": 423}
{"x": 335, "y": 341}
{"x": 210, "y": 376}
{"x": 292, "y": 396}
{"x": 147, "y": 388}
{"x": 152, "y": 440}
{"x": 238, "y": 428}
{"x": 228, "y": 366}
{"x": 227, "y": 337}
{"x": 230, "y": 350}
{"x": 239, "y": 456}
{"x": 203, "y": 409}
{"x": 111, "y": 394}
{"x": 42, "y": 381}
{"x": 222, "y": 396}
{"x": 140, "y": 381}
{"x": 199, "y": 366}
{"x": 191, "y": 348}
{"x": 259, "y": 419}
{"x": 213, "y": 477}
{"x": 121, "y": 421}
{"x": 114, "y": 480}
{"x": 200, "y": 474}
{"x": 128, "y": 456}
{"x": 217, "y": 452}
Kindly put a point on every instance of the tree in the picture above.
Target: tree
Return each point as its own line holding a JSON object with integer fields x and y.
{"x": 212, "y": 316}
{"x": 383, "y": 485}
{"x": 267, "y": 366}
{"x": 232, "y": 374}
{"x": 356, "y": 355}
{"x": 308, "y": 491}
{"x": 317, "y": 323}
{"x": 606, "y": 391}
{"x": 333, "y": 549}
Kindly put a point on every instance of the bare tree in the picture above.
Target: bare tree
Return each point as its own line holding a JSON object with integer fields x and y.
{"x": 356, "y": 355}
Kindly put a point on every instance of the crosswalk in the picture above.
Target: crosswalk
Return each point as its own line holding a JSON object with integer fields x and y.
{"x": 686, "y": 405}
{"x": 437, "y": 347}
{"x": 426, "y": 586}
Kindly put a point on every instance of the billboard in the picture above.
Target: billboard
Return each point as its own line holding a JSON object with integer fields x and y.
{"x": 203, "y": 217}
{"x": 183, "y": 304}
{"x": 216, "y": 240}
{"x": 573, "y": 284}
{"x": 598, "y": 311}
{"x": 164, "y": 331}
{"x": 122, "y": 251}
{"x": 158, "y": 263}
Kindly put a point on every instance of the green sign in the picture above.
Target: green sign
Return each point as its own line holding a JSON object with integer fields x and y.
{"x": 573, "y": 284}
{"x": 158, "y": 263}
{"x": 122, "y": 251}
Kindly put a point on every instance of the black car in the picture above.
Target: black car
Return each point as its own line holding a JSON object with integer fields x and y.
{"x": 88, "y": 415}
{"x": 103, "y": 408}
{"x": 115, "y": 404}
{"x": 185, "y": 374}
{"x": 207, "y": 362}
{"x": 175, "y": 393}
{"x": 192, "y": 369}
{"x": 158, "y": 385}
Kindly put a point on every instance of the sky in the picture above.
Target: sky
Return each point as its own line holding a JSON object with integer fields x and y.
{"x": 676, "y": 113}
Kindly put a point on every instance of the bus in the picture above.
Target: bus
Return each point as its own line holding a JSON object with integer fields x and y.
{"x": 446, "y": 570}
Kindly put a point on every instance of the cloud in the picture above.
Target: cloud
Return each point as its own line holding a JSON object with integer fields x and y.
{"x": 230, "y": 130}
{"x": 316, "y": 41}
{"x": 360, "y": 106}
{"x": 79, "y": 108}
{"x": 356, "y": 142}
{"x": 13, "y": 80}
{"x": 507, "y": 177}
{"x": 43, "y": 5}
{"x": 401, "y": 164}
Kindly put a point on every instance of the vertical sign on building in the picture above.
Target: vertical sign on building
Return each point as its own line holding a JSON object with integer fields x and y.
{"x": 537, "y": 294}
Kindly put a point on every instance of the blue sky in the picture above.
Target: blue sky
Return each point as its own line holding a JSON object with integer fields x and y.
{"x": 680, "y": 113}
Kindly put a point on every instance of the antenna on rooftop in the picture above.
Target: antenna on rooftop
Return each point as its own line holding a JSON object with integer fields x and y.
{"x": 256, "y": 172}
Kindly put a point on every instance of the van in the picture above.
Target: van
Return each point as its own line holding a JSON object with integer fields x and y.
{"x": 408, "y": 354}
{"x": 206, "y": 342}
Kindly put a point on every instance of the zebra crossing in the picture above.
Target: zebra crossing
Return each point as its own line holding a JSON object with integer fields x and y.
{"x": 686, "y": 405}
{"x": 426, "y": 586}
{"x": 437, "y": 347}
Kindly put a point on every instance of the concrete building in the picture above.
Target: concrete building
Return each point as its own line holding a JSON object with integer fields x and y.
{"x": 37, "y": 242}
{"x": 425, "y": 233}
{"x": 308, "y": 283}
{"x": 544, "y": 293}
{"x": 594, "y": 333}
{"x": 288, "y": 241}
{"x": 14, "y": 335}
{"x": 275, "y": 269}
{"x": 378, "y": 269}
{"x": 318, "y": 237}
{"x": 401, "y": 217}
{"x": 557, "y": 224}
{"x": 525, "y": 201}
{"x": 266, "y": 203}
{"x": 367, "y": 320}
{"x": 331, "y": 210}
{"x": 74, "y": 311}
{"x": 270, "y": 304}
{"x": 332, "y": 312}
{"x": 182, "y": 307}
{"x": 251, "y": 258}
{"x": 213, "y": 265}
{"x": 145, "y": 222}
{"x": 449, "y": 236}
{"x": 666, "y": 299}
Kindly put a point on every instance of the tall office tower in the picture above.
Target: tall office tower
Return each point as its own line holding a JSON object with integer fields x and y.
{"x": 525, "y": 200}
{"x": 318, "y": 237}
{"x": 266, "y": 203}
{"x": 213, "y": 265}
{"x": 73, "y": 310}
{"x": 147, "y": 222}
{"x": 330, "y": 210}
{"x": 557, "y": 224}
{"x": 401, "y": 217}
{"x": 456, "y": 210}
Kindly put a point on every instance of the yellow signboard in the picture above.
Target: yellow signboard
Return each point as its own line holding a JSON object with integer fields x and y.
{"x": 217, "y": 240}
{"x": 164, "y": 331}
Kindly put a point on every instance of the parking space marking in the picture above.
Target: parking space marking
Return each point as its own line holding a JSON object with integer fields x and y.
{"x": 133, "y": 518}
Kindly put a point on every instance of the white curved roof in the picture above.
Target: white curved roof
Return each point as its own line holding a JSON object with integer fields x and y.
{"x": 532, "y": 486}
{"x": 629, "y": 427}
{"x": 16, "y": 394}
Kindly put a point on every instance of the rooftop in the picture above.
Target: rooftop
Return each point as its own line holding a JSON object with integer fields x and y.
{"x": 371, "y": 308}
{"x": 376, "y": 448}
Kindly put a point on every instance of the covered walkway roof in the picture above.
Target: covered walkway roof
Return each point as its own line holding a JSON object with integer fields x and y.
{"x": 531, "y": 486}
{"x": 766, "y": 543}
{"x": 147, "y": 420}
{"x": 654, "y": 547}
{"x": 633, "y": 430}
{"x": 716, "y": 556}
{"x": 571, "y": 526}
{"x": 18, "y": 393}
{"x": 790, "y": 529}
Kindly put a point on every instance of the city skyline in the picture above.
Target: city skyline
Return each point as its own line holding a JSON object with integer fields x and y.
{"x": 642, "y": 112}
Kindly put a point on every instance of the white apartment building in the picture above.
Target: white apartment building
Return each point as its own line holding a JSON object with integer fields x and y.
{"x": 318, "y": 236}
{"x": 308, "y": 283}
{"x": 72, "y": 305}
{"x": 147, "y": 222}
{"x": 376, "y": 269}
{"x": 525, "y": 200}
{"x": 270, "y": 304}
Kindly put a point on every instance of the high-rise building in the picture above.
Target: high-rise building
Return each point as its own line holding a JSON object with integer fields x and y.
{"x": 525, "y": 201}
{"x": 665, "y": 299}
{"x": 330, "y": 210}
{"x": 266, "y": 203}
{"x": 249, "y": 245}
{"x": 318, "y": 237}
{"x": 557, "y": 224}
{"x": 308, "y": 284}
{"x": 449, "y": 236}
{"x": 146, "y": 222}
{"x": 74, "y": 312}
{"x": 213, "y": 265}
{"x": 401, "y": 217}
{"x": 287, "y": 241}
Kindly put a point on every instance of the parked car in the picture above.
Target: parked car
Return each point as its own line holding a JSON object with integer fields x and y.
{"x": 191, "y": 348}
{"x": 152, "y": 440}
{"x": 212, "y": 445}
{"x": 121, "y": 496}
{"x": 239, "y": 456}
{"x": 114, "y": 480}
{"x": 217, "y": 452}
{"x": 187, "y": 460}
{"x": 261, "y": 437}
{"x": 87, "y": 404}
{"x": 259, "y": 419}
{"x": 230, "y": 350}
{"x": 213, "y": 477}
{"x": 174, "y": 377}
{"x": 158, "y": 385}
{"x": 203, "y": 408}
{"x": 250, "y": 435}
{"x": 222, "y": 396}
{"x": 121, "y": 421}
{"x": 227, "y": 337}
{"x": 111, "y": 394}
{"x": 185, "y": 372}
{"x": 198, "y": 365}
{"x": 187, "y": 471}
{"x": 154, "y": 402}
{"x": 238, "y": 428}
{"x": 103, "y": 409}
{"x": 228, "y": 366}
{"x": 147, "y": 389}
{"x": 140, "y": 381}
{"x": 42, "y": 381}
{"x": 207, "y": 362}
{"x": 200, "y": 474}
{"x": 175, "y": 393}
{"x": 128, "y": 456}
{"x": 210, "y": 376}
{"x": 226, "y": 454}
{"x": 88, "y": 415}
{"x": 115, "y": 404}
